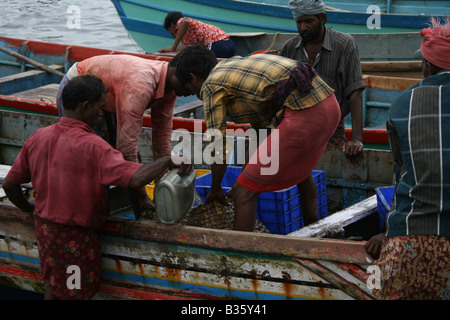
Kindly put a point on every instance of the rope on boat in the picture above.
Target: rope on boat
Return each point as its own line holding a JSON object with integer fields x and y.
{"x": 270, "y": 47}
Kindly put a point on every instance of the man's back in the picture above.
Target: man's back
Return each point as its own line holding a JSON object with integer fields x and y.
{"x": 419, "y": 131}
{"x": 69, "y": 167}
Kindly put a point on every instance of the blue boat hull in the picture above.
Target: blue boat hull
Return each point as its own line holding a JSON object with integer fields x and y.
{"x": 143, "y": 19}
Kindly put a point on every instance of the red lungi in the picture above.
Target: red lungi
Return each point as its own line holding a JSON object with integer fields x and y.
{"x": 302, "y": 138}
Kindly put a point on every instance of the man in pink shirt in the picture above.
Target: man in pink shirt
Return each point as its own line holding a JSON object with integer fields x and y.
{"x": 134, "y": 85}
{"x": 70, "y": 168}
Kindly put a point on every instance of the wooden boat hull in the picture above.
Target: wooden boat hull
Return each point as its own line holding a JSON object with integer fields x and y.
{"x": 372, "y": 47}
{"x": 147, "y": 260}
{"x": 143, "y": 19}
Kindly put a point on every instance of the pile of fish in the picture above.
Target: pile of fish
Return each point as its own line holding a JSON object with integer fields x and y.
{"x": 214, "y": 215}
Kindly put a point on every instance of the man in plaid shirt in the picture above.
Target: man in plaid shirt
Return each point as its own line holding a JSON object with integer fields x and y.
{"x": 256, "y": 90}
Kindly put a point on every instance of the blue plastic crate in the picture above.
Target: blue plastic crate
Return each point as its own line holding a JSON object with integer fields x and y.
{"x": 285, "y": 228}
{"x": 323, "y": 206}
{"x": 280, "y": 211}
{"x": 203, "y": 183}
{"x": 384, "y": 201}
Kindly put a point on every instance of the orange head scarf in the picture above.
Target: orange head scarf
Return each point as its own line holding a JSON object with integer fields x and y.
{"x": 436, "y": 44}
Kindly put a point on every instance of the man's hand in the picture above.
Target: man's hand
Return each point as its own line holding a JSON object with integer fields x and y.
{"x": 16, "y": 196}
{"x": 185, "y": 168}
{"x": 144, "y": 200}
{"x": 352, "y": 148}
{"x": 215, "y": 194}
{"x": 165, "y": 49}
{"x": 374, "y": 245}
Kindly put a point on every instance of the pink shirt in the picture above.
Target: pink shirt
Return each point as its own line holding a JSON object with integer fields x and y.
{"x": 69, "y": 167}
{"x": 135, "y": 84}
{"x": 201, "y": 33}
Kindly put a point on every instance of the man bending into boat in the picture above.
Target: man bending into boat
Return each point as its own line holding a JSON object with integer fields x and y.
{"x": 134, "y": 85}
{"x": 70, "y": 168}
{"x": 254, "y": 90}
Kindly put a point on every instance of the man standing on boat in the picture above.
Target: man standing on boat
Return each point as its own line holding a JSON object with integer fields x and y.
{"x": 415, "y": 252}
{"x": 134, "y": 85}
{"x": 335, "y": 56}
{"x": 255, "y": 90}
{"x": 70, "y": 168}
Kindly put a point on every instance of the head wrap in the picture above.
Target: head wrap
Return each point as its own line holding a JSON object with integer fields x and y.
{"x": 306, "y": 7}
{"x": 436, "y": 44}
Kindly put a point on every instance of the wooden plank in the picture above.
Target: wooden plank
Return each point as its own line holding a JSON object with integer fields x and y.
{"x": 45, "y": 93}
{"x": 188, "y": 106}
{"x": 378, "y": 66}
{"x": 336, "y": 279}
{"x": 32, "y": 62}
{"x": 26, "y": 74}
{"x": 389, "y": 83}
{"x": 9, "y": 85}
{"x": 339, "y": 219}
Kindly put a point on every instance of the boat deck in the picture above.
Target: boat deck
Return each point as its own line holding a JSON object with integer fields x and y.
{"x": 45, "y": 93}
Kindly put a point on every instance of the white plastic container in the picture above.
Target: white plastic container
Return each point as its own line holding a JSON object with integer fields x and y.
{"x": 174, "y": 196}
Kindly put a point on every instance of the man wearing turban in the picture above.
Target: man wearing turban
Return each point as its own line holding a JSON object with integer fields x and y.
{"x": 335, "y": 56}
{"x": 415, "y": 252}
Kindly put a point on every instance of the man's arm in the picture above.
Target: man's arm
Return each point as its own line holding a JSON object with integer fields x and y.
{"x": 162, "y": 123}
{"x": 355, "y": 146}
{"x": 182, "y": 30}
{"x": 217, "y": 173}
{"x": 148, "y": 172}
{"x": 16, "y": 196}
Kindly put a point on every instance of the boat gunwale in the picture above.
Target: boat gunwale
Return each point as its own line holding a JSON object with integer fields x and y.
{"x": 346, "y": 251}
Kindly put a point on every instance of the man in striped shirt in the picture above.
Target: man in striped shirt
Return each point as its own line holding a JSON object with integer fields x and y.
{"x": 335, "y": 56}
{"x": 415, "y": 254}
{"x": 255, "y": 90}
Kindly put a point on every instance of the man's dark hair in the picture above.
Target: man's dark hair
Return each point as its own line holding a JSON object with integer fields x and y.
{"x": 174, "y": 61}
{"x": 195, "y": 59}
{"x": 80, "y": 89}
{"x": 172, "y": 18}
